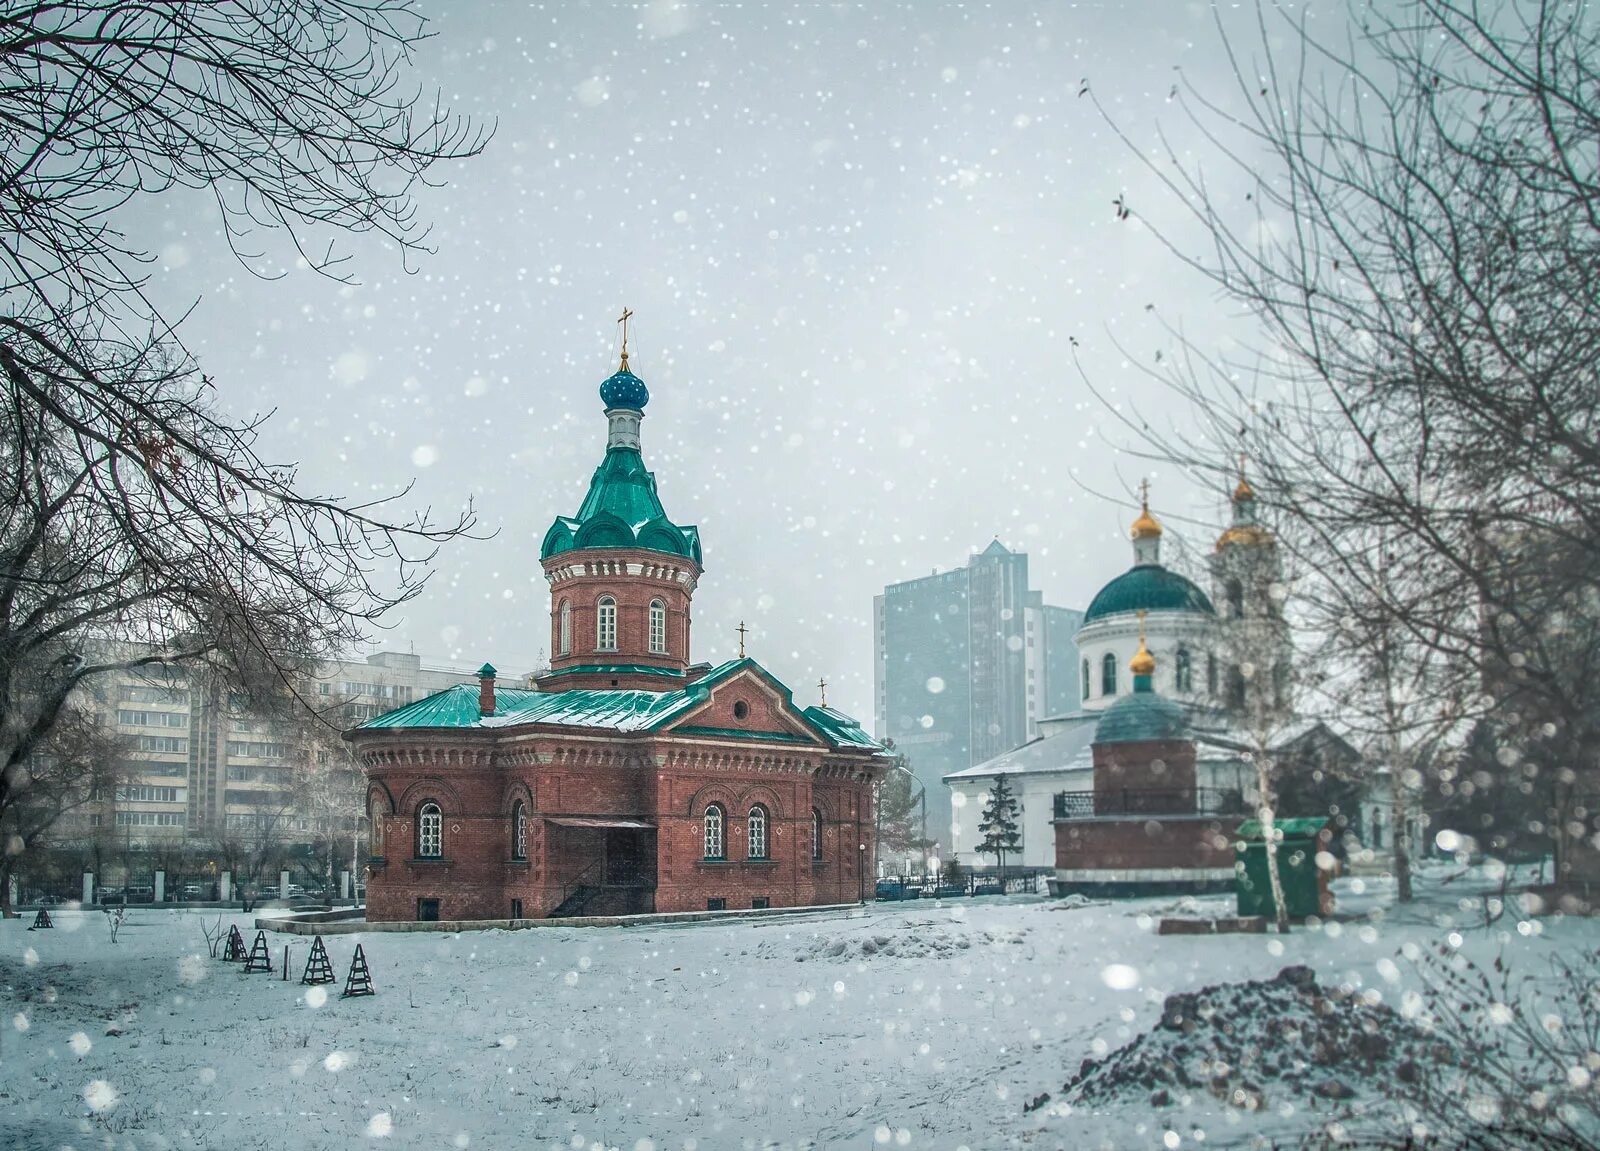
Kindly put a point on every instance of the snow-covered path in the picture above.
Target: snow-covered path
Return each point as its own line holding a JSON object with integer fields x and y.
{"x": 906, "y": 1025}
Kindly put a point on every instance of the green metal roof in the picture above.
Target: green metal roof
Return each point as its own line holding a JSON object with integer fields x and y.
{"x": 1141, "y": 717}
{"x": 611, "y": 709}
{"x": 622, "y": 510}
{"x": 1148, "y": 587}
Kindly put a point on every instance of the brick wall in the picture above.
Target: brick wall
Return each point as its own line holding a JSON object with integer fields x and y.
{"x": 1154, "y": 776}
{"x": 581, "y": 578}
{"x": 661, "y": 780}
{"x": 1115, "y": 844}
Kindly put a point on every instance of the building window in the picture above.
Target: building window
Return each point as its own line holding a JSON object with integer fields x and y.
{"x": 1108, "y": 674}
{"x": 1235, "y": 592}
{"x": 1182, "y": 672}
{"x": 658, "y": 627}
{"x": 741, "y": 709}
{"x": 605, "y": 625}
{"x": 758, "y": 832}
{"x": 519, "y": 833}
{"x": 430, "y": 831}
{"x": 1236, "y": 688}
{"x": 564, "y": 638}
{"x": 1083, "y": 674}
{"x": 1211, "y": 674}
{"x": 715, "y": 903}
{"x": 714, "y": 842}
{"x": 516, "y": 909}
{"x": 760, "y": 902}
{"x": 816, "y": 835}
{"x": 427, "y": 911}
{"x": 1377, "y": 827}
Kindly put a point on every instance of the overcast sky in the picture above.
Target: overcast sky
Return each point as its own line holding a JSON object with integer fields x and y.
{"x": 857, "y": 239}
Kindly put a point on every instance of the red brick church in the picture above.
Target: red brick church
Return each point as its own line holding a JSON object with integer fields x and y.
{"x": 626, "y": 779}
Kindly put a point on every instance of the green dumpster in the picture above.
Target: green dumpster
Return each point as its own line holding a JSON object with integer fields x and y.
{"x": 1305, "y": 885}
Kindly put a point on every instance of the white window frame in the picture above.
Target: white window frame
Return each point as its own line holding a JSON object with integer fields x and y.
{"x": 564, "y": 628}
{"x": 758, "y": 840}
{"x": 519, "y": 831}
{"x": 430, "y": 831}
{"x": 715, "y": 824}
{"x": 605, "y": 624}
{"x": 816, "y": 834}
{"x": 658, "y": 627}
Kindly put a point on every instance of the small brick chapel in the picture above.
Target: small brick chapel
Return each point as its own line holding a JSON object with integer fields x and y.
{"x": 627, "y": 778}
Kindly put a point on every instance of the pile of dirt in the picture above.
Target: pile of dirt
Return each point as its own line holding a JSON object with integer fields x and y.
{"x": 1253, "y": 1042}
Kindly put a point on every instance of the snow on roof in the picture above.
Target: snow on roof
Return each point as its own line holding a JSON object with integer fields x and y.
{"x": 1066, "y": 751}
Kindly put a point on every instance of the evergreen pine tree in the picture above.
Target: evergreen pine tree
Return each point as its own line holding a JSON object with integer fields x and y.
{"x": 1001, "y": 831}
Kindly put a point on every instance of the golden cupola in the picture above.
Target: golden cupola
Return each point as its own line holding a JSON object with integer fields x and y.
{"x": 1245, "y": 530}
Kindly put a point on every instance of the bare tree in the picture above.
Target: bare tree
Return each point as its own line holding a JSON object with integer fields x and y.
{"x": 1410, "y": 213}
{"x": 139, "y": 525}
{"x": 79, "y": 763}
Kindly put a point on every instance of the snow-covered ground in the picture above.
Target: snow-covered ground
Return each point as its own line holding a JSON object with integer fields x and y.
{"x": 904, "y": 1025}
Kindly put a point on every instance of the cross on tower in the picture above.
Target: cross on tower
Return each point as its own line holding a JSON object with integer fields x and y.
{"x": 822, "y": 686}
{"x": 1144, "y": 493}
{"x": 741, "y": 629}
{"x": 627, "y": 314}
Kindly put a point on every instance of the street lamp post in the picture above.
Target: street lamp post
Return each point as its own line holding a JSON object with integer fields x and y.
{"x": 861, "y": 875}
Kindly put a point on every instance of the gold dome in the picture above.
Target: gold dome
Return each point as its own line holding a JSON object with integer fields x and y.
{"x": 1248, "y": 535}
{"x": 1244, "y": 491}
{"x": 1142, "y": 663}
{"x": 1146, "y": 526}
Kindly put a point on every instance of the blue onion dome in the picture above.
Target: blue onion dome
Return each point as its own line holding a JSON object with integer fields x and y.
{"x": 623, "y": 389}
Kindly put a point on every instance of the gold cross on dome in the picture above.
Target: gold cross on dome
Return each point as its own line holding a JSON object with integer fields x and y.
{"x": 741, "y": 629}
{"x": 822, "y": 686}
{"x": 627, "y": 314}
{"x": 1144, "y": 493}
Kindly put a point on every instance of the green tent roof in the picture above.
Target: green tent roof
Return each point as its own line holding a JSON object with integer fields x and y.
{"x": 611, "y": 709}
{"x": 1140, "y": 717}
{"x": 1148, "y": 587}
{"x": 622, "y": 510}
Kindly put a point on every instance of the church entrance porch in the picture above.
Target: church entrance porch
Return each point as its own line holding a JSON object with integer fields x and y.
{"x": 605, "y": 866}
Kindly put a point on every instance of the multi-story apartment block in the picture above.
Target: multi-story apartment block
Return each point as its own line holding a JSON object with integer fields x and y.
{"x": 202, "y": 773}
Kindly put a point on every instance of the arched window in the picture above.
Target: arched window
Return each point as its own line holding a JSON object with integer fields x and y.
{"x": 1084, "y": 676}
{"x": 564, "y": 639}
{"x": 1182, "y": 672}
{"x": 430, "y": 831}
{"x": 1211, "y": 674}
{"x": 714, "y": 842}
{"x": 1235, "y": 688}
{"x": 658, "y": 627}
{"x": 758, "y": 832}
{"x": 1235, "y": 591}
{"x": 1377, "y": 827}
{"x": 1108, "y": 674}
{"x": 816, "y": 834}
{"x": 605, "y": 625}
{"x": 519, "y": 831}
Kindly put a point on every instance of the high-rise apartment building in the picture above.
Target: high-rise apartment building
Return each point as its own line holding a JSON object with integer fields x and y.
{"x": 203, "y": 776}
{"x": 967, "y": 663}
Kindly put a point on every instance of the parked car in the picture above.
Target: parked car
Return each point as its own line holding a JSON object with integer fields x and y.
{"x": 988, "y": 887}
{"x": 891, "y": 889}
